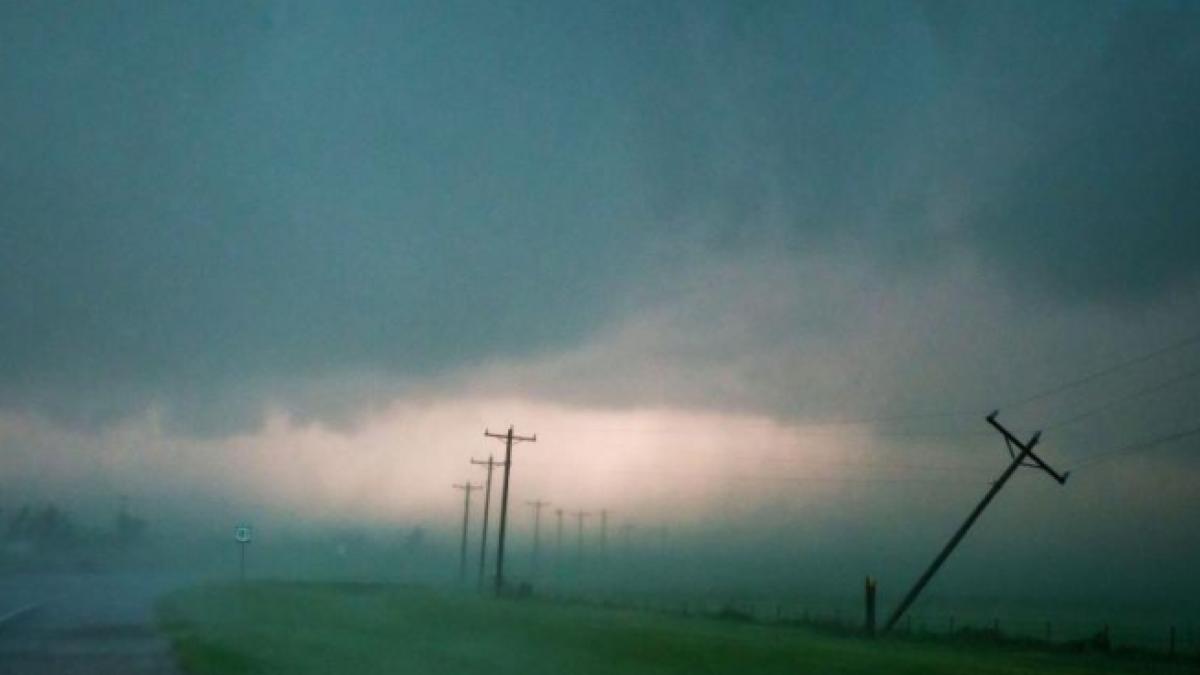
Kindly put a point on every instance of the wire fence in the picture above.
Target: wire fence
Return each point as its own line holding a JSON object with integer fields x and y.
{"x": 1174, "y": 639}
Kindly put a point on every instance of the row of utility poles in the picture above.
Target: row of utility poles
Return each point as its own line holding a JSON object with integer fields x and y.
{"x": 510, "y": 438}
{"x": 579, "y": 517}
{"x": 537, "y": 550}
{"x": 1021, "y": 454}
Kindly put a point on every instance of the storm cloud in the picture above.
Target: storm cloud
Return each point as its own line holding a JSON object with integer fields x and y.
{"x": 219, "y": 208}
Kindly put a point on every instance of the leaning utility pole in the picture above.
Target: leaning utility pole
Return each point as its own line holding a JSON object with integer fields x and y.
{"x": 487, "y": 504}
{"x": 579, "y": 516}
{"x": 509, "y": 439}
{"x": 537, "y": 506}
{"x": 467, "y": 489}
{"x": 1019, "y": 459}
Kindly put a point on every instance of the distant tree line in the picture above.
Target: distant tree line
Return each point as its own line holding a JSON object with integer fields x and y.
{"x": 47, "y": 527}
{"x": 43, "y": 527}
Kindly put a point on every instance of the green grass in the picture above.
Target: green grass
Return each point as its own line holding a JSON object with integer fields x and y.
{"x": 359, "y": 629}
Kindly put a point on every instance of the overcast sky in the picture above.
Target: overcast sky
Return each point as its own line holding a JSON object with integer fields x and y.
{"x": 300, "y": 255}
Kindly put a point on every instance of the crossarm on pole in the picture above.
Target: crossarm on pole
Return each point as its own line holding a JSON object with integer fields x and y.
{"x": 1038, "y": 462}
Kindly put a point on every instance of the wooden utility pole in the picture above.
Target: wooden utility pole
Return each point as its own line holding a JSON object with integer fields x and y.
{"x": 558, "y": 515}
{"x": 487, "y": 504}
{"x": 1025, "y": 457}
{"x": 467, "y": 489}
{"x": 627, "y": 539}
{"x": 603, "y": 534}
{"x": 509, "y": 439}
{"x": 870, "y": 597}
{"x": 537, "y": 505}
{"x": 579, "y": 516}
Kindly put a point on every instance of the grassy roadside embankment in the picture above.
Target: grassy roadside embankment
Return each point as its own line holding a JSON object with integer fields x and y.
{"x": 360, "y": 629}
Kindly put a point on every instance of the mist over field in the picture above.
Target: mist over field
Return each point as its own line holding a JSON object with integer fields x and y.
{"x": 753, "y": 273}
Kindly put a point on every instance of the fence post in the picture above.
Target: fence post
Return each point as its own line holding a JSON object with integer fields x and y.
{"x": 870, "y": 593}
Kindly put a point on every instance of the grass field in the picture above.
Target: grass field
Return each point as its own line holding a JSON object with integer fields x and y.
{"x": 358, "y": 629}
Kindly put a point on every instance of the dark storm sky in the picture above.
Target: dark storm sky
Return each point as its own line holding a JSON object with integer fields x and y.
{"x": 296, "y": 256}
{"x": 201, "y": 200}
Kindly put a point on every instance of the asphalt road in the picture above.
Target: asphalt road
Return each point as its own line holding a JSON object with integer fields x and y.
{"x": 93, "y": 624}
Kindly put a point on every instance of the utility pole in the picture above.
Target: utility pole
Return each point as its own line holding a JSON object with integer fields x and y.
{"x": 467, "y": 489}
{"x": 663, "y": 555}
{"x": 579, "y": 516}
{"x": 1026, "y": 458}
{"x": 509, "y": 439}
{"x": 870, "y": 587}
{"x": 603, "y": 534}
{"x": 537, "y": 506}
{"x": 487, "y": 504}
{"x": 558, "y": 514}
{"x": 626, "y": 531}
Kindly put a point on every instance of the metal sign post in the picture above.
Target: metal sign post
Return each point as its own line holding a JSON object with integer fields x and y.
{"x": 241, "y": 534}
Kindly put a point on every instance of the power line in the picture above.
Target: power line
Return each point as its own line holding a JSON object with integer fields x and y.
{"x": 792, "y": 479}
{"x": 798, "y": 429}
{"x": 786, "y": 453}
{"x": 962, "y": 413}
{"x": 837, "y": 479}
{"x": 902, "y": 417}
{"x": 1108, "y": 370}
{"x": 960, "y": 468}
{"x": 1030, "y": 398}
{"x": 1140, "y": 446}
{"x": 905, "y": 467}
{"x": 1138, "y": 393}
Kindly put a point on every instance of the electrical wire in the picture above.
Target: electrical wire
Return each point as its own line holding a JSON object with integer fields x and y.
{"x": 790, "y": 430}
{"x": 1133, "y": 448}
{"x": 1035, "y": 396}
{"x": 963, "y": 413}
{"x": 1108, "y": 370}
{"x": 1138, "y": 393}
